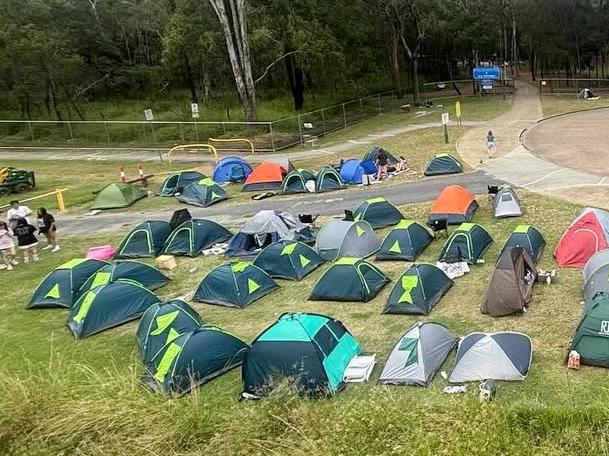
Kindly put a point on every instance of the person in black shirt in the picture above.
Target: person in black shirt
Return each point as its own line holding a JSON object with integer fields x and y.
{"x": 26, "y": 240}
{"x": 381, "y": 162}
{"x": 46, "y": 226}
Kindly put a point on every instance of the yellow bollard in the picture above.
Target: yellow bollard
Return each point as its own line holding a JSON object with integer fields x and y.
{"x": 60, "y": 202}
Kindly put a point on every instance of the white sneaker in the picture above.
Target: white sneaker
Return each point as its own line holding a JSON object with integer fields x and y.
{"x": 2, "y": 266}
{"x": 9, "y": 268}
{"x": 14, "y": 263}
{"x": 55, "y": 249}
{"x": 47, "y": 247}
{"x": 26, "y": 260}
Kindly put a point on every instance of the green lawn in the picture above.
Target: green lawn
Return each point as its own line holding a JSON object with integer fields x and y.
{"x": 60, "y": 396}
{"x": 553, "y": 105}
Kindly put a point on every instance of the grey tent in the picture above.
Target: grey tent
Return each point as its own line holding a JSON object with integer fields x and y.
{"x": 497, "y": 356}
{"x": 511, "y": 285}
{"x": 506, "y": 203}
{"x": 596, "y": 274}
{"x": 586, "y": 94}
{"x": 418, "y": 355}
{"x": 339, "y": 238}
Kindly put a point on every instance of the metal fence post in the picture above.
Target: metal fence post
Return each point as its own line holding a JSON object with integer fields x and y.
{"x": 182, "y": 131}
{"x": 378, "y": 98}
{"x": 71, "y": 134}
{"x": 300, "y": 129}
{"x": 361, "y": 107}
{"x": 196, "y": 131}
{"x": 323, "y": 120}
{"x": 106, "y": 132}
{"x": 272, "y": 137}
{"x": 344, "y": 116}
{"x": 29, "y": 123}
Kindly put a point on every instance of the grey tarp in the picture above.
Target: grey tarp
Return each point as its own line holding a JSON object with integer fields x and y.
{"x": 418, "y": 355}
{"x": 497, "y": 356}
{"x": 596, "y": 274}
{"x": 339, "y": 238}
{"x": 282, "y": 223}
{"x": 506, "y": 203}
{"x": 511, "y": 285}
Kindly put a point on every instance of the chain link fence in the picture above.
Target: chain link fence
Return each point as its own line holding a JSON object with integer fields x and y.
{"x": 571, "y": 86}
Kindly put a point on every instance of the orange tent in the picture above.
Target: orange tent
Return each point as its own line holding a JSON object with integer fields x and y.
{"x": 455, "y": 204}
{"x": 266, "y": 176}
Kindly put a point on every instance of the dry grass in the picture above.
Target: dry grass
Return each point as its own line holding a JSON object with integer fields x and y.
{"x": 560, "y": 104}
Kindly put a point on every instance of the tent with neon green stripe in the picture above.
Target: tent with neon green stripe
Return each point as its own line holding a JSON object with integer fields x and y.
{"x": 108, "y": 306}
{"x": 162, "y": 323}
{"x": 291, "y": 260}
{"x": 60, "y": 288}
{"x": 379, "y": 212}
{"x": 192, "y": 359}
{"x": 235, "y": 284}
{"x": 468, "y": 243}
{"x": 405, "y": 242}
{"x": 203, "y": 193}
{"x": 349, "y": 279}
{"x": 418, "y": 290}
{"x": 339, "y": 238}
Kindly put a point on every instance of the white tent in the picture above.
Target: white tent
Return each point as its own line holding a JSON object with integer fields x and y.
{"x": 586, "y": 94}
{"x": 506, "y": 203}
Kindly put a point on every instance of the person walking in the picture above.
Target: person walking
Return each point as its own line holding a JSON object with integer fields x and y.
{"x": 381, "y": 162}
{"x": 7, "y": 247}
{"x": 490, "y": 143}
{"x": 26, "y": 240}
{"x": 46, "y": 226}
{"x": 16, "y": 212}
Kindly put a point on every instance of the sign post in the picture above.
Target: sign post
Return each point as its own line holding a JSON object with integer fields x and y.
{"x": 149, "y": 118}
{"x": 445, "y": 120}
{"x": 194, "y": 108}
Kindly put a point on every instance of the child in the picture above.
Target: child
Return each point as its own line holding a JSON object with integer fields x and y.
{"x": 26, "y": 240}
{"x": 7, "y": 246}
{"x": 490, "y": 143}
{"x": 46, "y": 226}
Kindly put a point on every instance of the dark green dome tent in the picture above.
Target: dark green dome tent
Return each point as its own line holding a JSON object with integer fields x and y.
{"x": 194, "y": 236}
{"x": 234, "y": 285}
{"x": 126, "y": 271}
{"x": 405, "y": 242}
{"x": 418, "y": 290}
{"x": 118, "y": 195}
{"x": 203, "y": 193}
{"x": 529, "y": 238}
{"x": 349, "y": 279}
{"x": 591, "y": 337}
{"x": 60, "y": 288}
{"x": 443, "y": 164}
{"x": 162, "y": 323}
{"x": 291, "y": 260}
{"x": 468, "y": 243}
{"x": 295, "y": 181}
{"x": 108, "y": 306}
{"x": 192, "y": 359}
{"x": 328, "y": 179}
{"x": 373, "y": 154}
{"x": 176, "y": 183}
{"x": 145, "y": 240}
{"x": 311, "y": 350}
{"x": 379, "y": 212}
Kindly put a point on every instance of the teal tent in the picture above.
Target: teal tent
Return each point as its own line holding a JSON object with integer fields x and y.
{"x": 591, "y": 337}
{"x": 468, "y": 243}
{"x": 349, "y": 279}
{"x": 162, "y": 323}
{"x": 328, "y": 179}
{"x": 312, "y": 351}
{"x": 295, "y": 181}
{"x": 192, "y": 359}
{"x": 202, "y": 193}
{"x": 405, "y": 242}
{"x": 108, "y": 306}
{"x": 529, "y": 238}
{"x": 443, "y": 164}
{"x": 176, "y": 183}
{"x": 418, "y": 290}
{"x": 145, "y": 240}
{"x": 373, "y": 154}
{"x": 234, "y": 285}
{"x": 126, "y": 271}
{"x": 194, "y": 236}
{"x": 60, "y": 288}
{"x": 379, "y": 212}
{"x": 291, "y": 260}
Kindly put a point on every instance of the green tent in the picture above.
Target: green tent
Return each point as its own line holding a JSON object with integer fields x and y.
{"x": 529, "y": 238}
{"x": 591, "y": 337}
{"x": 126, "y": 271}
{"x": 194, "y": 358}
{"x": 203, "y": 193}
{"x": 467, "y": 243}
{"x": 295, "y": 181}
{"x": 162, "y": 323}
{"x": 291, "y": 260}
{"x": 145, "y": 240}
{"x": 443, "y": 164}
{"x": 328, "y": 179}
{"x": 60, "y": 288}
{"x": 234, "y": 285}
{"x": 195, "y": 235}
{"x": 405, "y": 242}
{"x": 176, "y": 183}
{"x": 108, "y": 306}
{"x": 379, "y": 212}
{"x": 349, "y": 279}
{"x": 418, "y": 290}
{"x": 118, "y": 195}
{"x": 312, "y": 351}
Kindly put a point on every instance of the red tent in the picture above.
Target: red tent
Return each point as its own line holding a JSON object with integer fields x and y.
{"x": 585, "y": 236}
{"x": 266, "y": 176}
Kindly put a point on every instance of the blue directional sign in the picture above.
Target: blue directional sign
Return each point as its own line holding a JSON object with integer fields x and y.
{"x": 487, "y": 73}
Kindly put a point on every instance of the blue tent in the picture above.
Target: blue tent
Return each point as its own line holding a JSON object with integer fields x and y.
{"x": 231, "y": 169}
{"x": 353, "y": 170}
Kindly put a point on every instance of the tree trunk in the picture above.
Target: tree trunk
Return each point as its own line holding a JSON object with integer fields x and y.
{"x": 188, "y": 79}
{"x": 296, "y": 80}
{"x": 533, "y": 63}
{"x": 415, "y": 78}
{"x": 395, "y": 63}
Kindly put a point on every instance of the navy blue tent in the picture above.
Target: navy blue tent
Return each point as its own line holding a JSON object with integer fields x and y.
{"x": 231, "y": 169}
{"x": 203, "y": 193}
{"x": 353, "y": 170}
{"x": 145, "y": 240}
{"x": 443, "y": 164}
{"x": 126, "y": 271}
{"x": 194, "y": 236}
{"x": 176, "y": 183}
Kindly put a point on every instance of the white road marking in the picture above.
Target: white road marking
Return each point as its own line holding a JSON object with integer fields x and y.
{"x": 383, "y": 135}
{"x": 556, "y": 171}
{"x": 359, "y": 142}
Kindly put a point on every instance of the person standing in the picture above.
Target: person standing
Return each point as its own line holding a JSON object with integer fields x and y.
{"x": 46, "y": 226}
{"x": 16, "y": 212}
{"x": 26, "y": 240}
{"x": 381, "y": 162}
{"x": 490, "y": 143}
{"x": 7, "y": 247}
